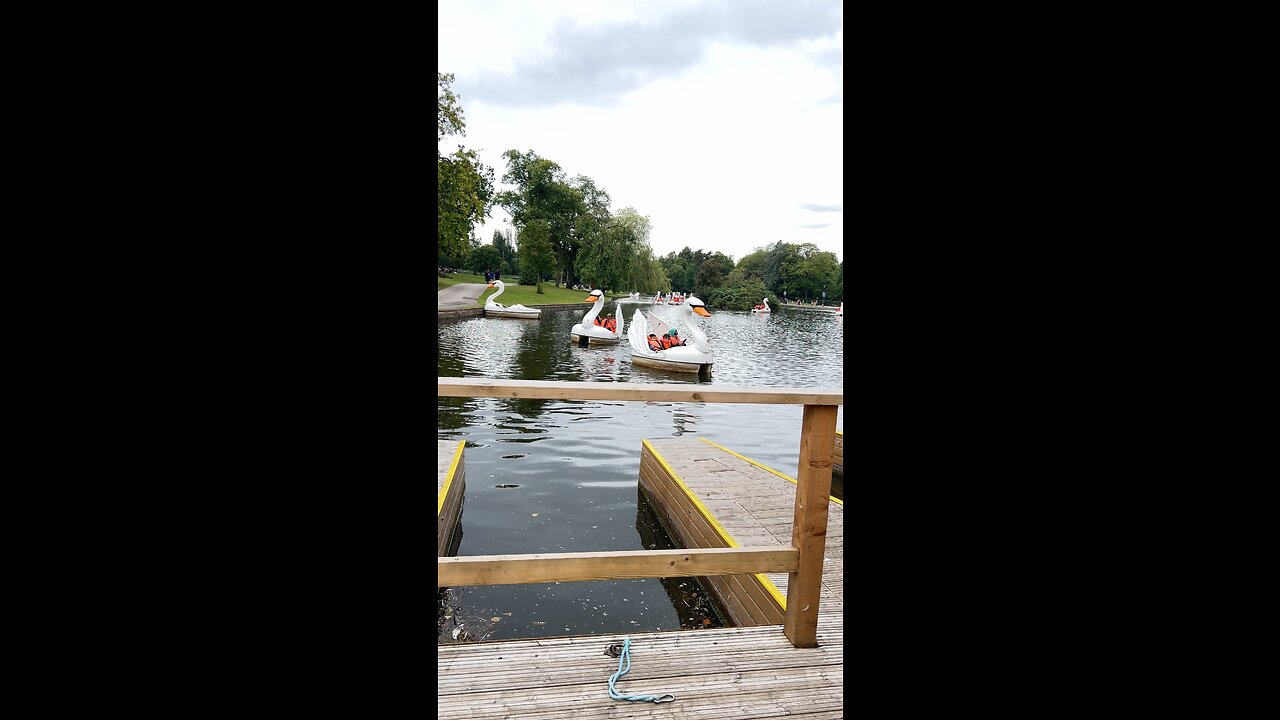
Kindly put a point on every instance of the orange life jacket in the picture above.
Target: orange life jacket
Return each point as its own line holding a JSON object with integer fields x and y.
{"x": 655, "y": 343}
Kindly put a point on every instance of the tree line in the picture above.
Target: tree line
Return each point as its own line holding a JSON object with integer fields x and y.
{"x": 566, "y": 233}
{"x": 781, "y": 271}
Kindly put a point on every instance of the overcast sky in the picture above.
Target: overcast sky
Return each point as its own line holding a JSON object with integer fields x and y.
{"x": 721, "y": 120}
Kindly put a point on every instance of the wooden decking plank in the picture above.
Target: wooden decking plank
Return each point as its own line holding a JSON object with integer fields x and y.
{"x": 444, "y": 456}
{"x": 742, "y": 597}
{"x": 741, "y": 694}
{"x": 736, "y": 508}
{"x": 587, "y": 666}
{"x": 739, "y": 672}
{"x": 450, "y": 507}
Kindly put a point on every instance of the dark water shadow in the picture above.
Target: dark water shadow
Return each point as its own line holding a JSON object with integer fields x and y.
{"x": 696, "y": 607}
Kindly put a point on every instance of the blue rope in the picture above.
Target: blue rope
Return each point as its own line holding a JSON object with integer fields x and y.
{"x": 613, "y": 691}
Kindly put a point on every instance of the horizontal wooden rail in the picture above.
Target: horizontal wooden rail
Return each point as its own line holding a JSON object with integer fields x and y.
{"x": 568, "y": 390}
{"x": 621, "y": 565}
{"x": 803, "y": 560}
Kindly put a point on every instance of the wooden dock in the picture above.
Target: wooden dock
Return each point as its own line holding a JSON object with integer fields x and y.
{"x": 747, "y": 504}
{"x": 795, "y": 668}
{"x": 740, "y": 673}
{"x": 733, "y": 672}
{"x": 451, "y": 481}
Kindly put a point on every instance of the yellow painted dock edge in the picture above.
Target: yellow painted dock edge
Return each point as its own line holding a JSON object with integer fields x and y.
{"x": 762, "y": 466}
{"x": 448, "y": 478}
{"x": 715, "y": 524}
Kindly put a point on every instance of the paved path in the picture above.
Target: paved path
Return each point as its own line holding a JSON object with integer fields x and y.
{"x": 462, "y": 295}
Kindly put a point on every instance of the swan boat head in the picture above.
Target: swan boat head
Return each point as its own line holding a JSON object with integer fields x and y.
{"x": 587, "y": 329}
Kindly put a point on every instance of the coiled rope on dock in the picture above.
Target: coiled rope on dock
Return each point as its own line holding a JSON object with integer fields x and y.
{"x": 624, "y": 656}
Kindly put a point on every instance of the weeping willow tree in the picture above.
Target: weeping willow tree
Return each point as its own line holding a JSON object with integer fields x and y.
{"x": 618, "y": 256}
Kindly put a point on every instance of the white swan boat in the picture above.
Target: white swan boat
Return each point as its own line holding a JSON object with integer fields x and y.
{"x": 587, "y": 332}
{"x": 762, "y": 309}
{"x": 693, "y": 357}
{"x": 496, "y": 309}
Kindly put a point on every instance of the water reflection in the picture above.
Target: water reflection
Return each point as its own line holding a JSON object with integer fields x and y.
{"x": 574, "y": 465}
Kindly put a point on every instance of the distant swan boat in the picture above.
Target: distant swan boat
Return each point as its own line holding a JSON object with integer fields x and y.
{"x": 495, "y": 309}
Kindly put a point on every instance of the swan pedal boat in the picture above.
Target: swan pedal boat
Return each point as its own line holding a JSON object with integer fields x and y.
{"x": 587, "y": 332}
{"x": 762, "y": 309}
{"x": 693, "y": 357}
{"x": 496, "y": 309}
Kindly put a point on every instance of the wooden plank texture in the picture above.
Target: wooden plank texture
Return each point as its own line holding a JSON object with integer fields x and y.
{"x": 745, "y": 672}
{"x": 449, "y": 490}
{"x": 837, "y": 456}
{"x": 757, "y": 507}
{"x": 572, "y": 567}
{"x": 746, "y": 598}
{"x": 569, "y": 390}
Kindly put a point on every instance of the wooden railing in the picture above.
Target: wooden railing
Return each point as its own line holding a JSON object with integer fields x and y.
{"x": 803, "y": 560}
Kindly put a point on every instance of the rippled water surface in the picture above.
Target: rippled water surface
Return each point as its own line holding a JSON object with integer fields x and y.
{"x": 569, "y": 470}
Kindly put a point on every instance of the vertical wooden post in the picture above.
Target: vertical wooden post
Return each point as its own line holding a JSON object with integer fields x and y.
{"x": 809, "y": 529}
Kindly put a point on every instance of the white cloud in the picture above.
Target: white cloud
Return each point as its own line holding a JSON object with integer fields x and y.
{"x": 728, "y": 148}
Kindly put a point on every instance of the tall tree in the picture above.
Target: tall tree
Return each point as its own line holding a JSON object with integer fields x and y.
{"x": 464, "y": 185}
{"x": 502, "y": 241}
{"x": 542, "y": 193}
{"x": 486, "y": 258}
{"x": 537, "y": 258}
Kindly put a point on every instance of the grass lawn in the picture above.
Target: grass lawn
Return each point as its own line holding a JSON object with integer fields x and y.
{"x": 551, "y": 295}
{"x": 521, "y": 294}
{"x": 455, "y": 278}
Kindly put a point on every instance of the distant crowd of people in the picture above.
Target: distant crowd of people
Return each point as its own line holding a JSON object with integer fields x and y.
{"x": 491, "y": 276}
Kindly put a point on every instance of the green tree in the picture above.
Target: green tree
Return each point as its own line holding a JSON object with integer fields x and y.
{"x": 617, "y": 255}
{"x": 537, "y": 258}
{"x": 448, "y": 111}
{"x": 502, "y": 241}
{"x": 754, "y": 264}
{"x": 486, "y": 257}
{"x": 589, "y": 225}
{"x": 464, "y": 184}
{"x": 743, "y": 294}
{"x": 543, "y": 194}
{"x": 809, "y": 271}
{"x": 711, "y": 274}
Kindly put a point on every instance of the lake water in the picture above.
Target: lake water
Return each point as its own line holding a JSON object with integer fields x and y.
{"x": 569, "y": 470}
